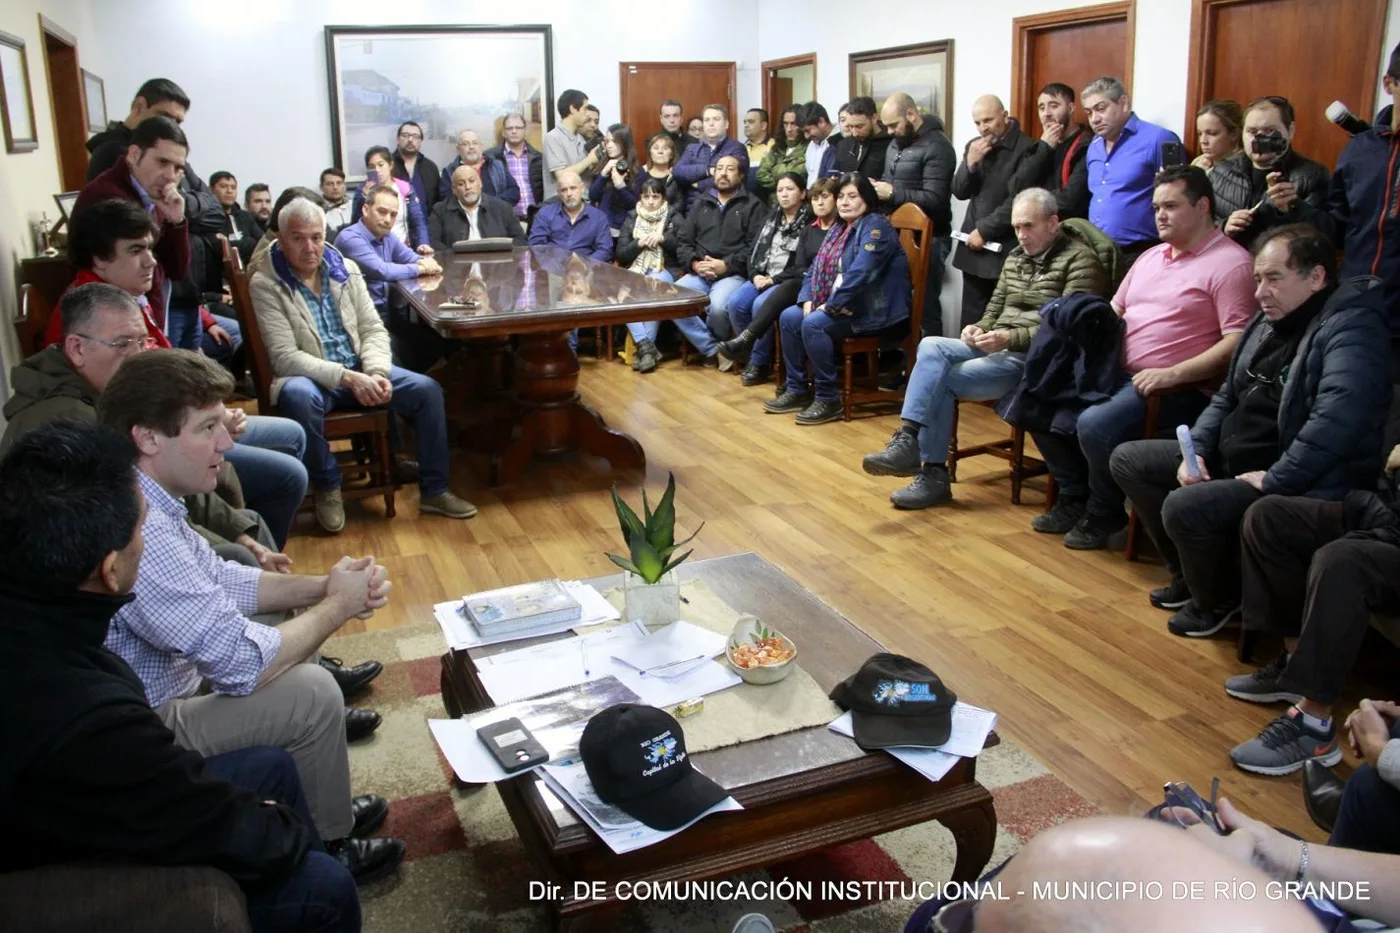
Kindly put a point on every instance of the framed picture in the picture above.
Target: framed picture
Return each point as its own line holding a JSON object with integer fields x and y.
{"x": 95, "y": 100}
{"x": 444, "y": 78}
{"x": 923, "y": 71}
{"x": 16, "y": 103}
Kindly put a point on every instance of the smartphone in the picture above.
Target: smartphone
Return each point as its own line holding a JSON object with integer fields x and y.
{"x": 1172, "y": 154}
{"x": 512, "y": 745}
{"x": 1188, "y": 451}
{"x": 1181, "y": 794}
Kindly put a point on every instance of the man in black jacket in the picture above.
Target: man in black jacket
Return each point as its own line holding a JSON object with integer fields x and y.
{"x": 1068, "y": 173}
{"x": 415, "y": 168}
{"x": 471, "y": 214}
{"x": 999, "y": 164}
{"x": 100, "y": 777}
{"x": 1266, "y": 185}
{"x": 860, "y": 148}
{"x": 1302, "y": 412}
{"x": 919, "y": 167}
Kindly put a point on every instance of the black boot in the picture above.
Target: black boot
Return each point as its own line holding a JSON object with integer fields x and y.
{"x": 647, "y": 356}
{"x": 757, "y": 373}
{"x": 739, "y": 347}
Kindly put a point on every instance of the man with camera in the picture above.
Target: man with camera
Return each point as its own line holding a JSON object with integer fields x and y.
{"x": 565, "y": 148}
{"x": 1266, "y": 185}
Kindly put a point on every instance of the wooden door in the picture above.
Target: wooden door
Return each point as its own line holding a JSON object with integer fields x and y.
{"x": 644, "y": 85}
{"x": 1308, "y": 51}
{"x": 780, "y": 80}
{"x": 776, "y": 99}
{"x": 66, "y": 101}
{"x": 1072, "y": 47}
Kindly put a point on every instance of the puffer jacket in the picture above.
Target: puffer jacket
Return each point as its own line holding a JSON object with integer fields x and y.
{"x": 289, "y": 327}
{"x": 776, "y": 164}
{"x": 1110, "y": 256}
{"x": 1335, "y": 402}
{"x": 1027, "y": 284}
{"x": 1236, "y": 190}
{"x": 921, "y": 173}
{"x": 1072, "y": 364}
{"x": 875, "y": 287}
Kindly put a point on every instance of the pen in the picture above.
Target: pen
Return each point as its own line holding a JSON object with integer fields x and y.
{"x": 583, "y": 652}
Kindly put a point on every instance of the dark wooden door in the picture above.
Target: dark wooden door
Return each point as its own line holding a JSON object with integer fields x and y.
{"x": 644, "y": 85}
{"x": 1072, "y": 47}
{"x": 1309, "y": 51}
{"x": 779, "y": 99}
{"x": 66, "y": 101}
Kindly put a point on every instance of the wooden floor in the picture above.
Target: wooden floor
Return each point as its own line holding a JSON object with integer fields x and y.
{"x": 1062, "y": 644}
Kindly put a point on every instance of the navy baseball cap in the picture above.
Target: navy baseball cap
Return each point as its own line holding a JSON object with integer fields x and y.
{"x": 896, "y": 701}
{"x": 636, "y": 758}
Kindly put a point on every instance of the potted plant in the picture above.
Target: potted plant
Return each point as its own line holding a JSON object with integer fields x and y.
{"x": 651, "y": 593}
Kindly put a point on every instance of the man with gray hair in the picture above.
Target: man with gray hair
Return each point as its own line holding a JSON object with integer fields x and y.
{"x": 329, "y": 349}
{"x": 496, "y": 179}
{"x": 1123, "y": 159}
{"x": 987, "y": 359}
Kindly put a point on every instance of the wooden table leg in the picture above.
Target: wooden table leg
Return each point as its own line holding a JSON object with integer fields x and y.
{"x": 974, "y": 832}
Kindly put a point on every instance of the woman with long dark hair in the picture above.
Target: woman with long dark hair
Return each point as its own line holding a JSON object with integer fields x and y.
{"x": 789, "y": 154}
{"x": 611, "y": 190}
{"x": 857, "y": 284}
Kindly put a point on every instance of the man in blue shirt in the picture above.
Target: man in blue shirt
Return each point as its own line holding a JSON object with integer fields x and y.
{"x": 569, "y": 223}
{"x": 1123, "y": 159}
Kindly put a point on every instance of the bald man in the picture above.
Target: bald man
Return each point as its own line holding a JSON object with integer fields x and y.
{"x": 999, "y": 163}
{"x": 568, "y": 222}
{"x": 496, "y": 179}
{"x": 471, "y": 214}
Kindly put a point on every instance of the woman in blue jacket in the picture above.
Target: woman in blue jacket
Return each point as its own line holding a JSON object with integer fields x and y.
{"x": 857, "y": 284}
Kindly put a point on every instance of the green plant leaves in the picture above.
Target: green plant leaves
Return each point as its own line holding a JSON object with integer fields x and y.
{"x": 632, "y": 526}
{"x": 650, "y": 540}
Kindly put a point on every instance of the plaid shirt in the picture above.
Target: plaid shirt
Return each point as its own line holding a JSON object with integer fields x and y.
{"x": 519, "y": 166}
{"x": 188, "y": 621}
{"x": 335, "y": 342}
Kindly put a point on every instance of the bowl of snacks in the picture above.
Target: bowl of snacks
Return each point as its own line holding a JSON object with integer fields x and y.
{"x": 759, "y": 654}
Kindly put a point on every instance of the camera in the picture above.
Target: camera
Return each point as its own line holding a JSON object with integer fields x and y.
{"x": 1270, "y": 144}
{"x": 622, "y": 166}
{"x": 593, "y": 143}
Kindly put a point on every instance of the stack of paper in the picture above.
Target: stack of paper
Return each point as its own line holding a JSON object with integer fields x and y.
{"x": 523, "y": 609}
{"x": 971, "y": 725}
{"x": 460, "y": 634}
{"x": 672, "y": 652}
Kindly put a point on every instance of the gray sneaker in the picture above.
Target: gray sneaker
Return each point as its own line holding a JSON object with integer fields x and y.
{"x": 1261, "y": 686}
{"x": 930, "y": 487}
{"x": 753, "y": 923}
{"x": 1285, "y": 744}
{"x": 899, "y": 458}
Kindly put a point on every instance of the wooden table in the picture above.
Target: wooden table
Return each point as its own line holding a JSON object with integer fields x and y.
{"x": 802, "y": 791}
{"x": 539, "y": 294}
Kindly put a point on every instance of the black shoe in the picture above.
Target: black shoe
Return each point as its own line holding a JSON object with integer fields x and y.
{"x": 370, "y": 811}
{"x": 739, "y": 348}
{"x": 352, "y": 679}
{"x": 787, "y": 401}
{"x": 890, "y": 381}
{"x": 1092, "y": 532}
{"x": 1061, "y": 518}
{"x": 929, "y": 488}
{"x": 1194, "y": 622}
{"x": 1172, "y": 596}
{"x": 360, "y": 723}
{"x": 899, "y": 458}
{"x": 406, "y": 472}
{"x": 647, "y": 357}
{"x": 1322, "y": 793}
{"x": 821, "y": 411}
{"x": 367, "y": 860}
{"x": 756, "y": 374}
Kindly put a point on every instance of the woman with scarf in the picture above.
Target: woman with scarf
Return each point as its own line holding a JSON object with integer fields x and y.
{"x": 857, "y": 284}
{"x": 647, "y": 245}
{"x": 774, "y": 281}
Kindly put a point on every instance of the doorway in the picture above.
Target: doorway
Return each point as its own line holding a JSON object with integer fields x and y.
{"x": 644, "y": 85}
{"x": 66, "y": 102}
{"x": 788, "y": 81}
{"x": 1071, "y": 47}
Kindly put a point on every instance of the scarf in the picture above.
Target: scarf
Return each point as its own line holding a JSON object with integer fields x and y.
{"x": 827, "y": 265}
{"x": 778, "y": 241}
{"x": 651, "y": 259}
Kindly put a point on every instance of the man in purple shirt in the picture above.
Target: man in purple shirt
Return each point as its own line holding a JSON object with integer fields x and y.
{"x": 571, "y": 224}
{"x": 381, "y": 257}
{"x": 1123, "y": 160}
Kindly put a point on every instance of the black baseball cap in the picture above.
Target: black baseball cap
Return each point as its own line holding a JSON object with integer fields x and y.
{"x": 636, "y": 758}
{"x": 896, "y": 701}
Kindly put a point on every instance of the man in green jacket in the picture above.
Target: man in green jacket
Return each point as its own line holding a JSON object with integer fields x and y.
{"x": 987, "y": 359}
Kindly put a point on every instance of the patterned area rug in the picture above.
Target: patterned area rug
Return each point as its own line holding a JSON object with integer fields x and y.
{"x": 466, "y": 869}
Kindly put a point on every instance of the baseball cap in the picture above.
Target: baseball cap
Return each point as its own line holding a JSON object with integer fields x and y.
{"x": 896, "y": 701}
{"x": 635, "y": 756}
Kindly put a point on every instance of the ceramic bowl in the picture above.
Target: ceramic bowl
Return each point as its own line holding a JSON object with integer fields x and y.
{"x": 749, "y": 630}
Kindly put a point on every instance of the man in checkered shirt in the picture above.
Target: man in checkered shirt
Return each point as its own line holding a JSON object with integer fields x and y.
{"x": 218, "y": 679}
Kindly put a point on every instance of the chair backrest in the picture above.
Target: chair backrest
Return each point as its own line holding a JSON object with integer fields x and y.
{"x": 258, "y": 359}
{"x": 916, "y": 236}
{"x": 32, "y": 320}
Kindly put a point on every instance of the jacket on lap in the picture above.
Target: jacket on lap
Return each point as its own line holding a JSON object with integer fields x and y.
{"x": 724, "y": 232}
{"x": 875, "y": 287}
{"x": 1027, "y": 284}
{"x": 1072, "y": 363}
{"x": 1335, "y": 399}
{"x": 1237, "y": 189}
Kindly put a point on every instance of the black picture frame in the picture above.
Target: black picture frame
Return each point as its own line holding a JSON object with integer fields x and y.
{"x": 440, "y": 118}
{"x": 16, "y": 99}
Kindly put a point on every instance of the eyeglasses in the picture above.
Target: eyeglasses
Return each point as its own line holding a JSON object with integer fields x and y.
{"x": 410, "y": 136}
{"x": 123, "y": 344}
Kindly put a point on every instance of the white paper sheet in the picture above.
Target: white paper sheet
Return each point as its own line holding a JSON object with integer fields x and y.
{"x": 673, "y": 651}
{"x": 620, "y": 832}
{"x": 990, "y": 245}
{"x": 971, "y": 725}
{"x": 459, "y": 634}
{"x": 929, "y": 762}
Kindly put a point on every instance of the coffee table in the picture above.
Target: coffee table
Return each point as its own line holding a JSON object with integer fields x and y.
{"x": 537, "y": 295}
{"x": 802, "y": 791}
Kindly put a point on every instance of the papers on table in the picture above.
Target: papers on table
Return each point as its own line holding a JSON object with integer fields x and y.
{"x": 622, "y": 833}
{"x": 672, "y": 652}
{"x": 971, "y": 725}
{"x": 459, "y": 633}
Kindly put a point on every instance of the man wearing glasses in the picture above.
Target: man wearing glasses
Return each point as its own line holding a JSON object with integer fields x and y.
{"x": 414, "y": 167}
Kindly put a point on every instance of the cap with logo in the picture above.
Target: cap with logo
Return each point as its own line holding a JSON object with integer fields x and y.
{"x": 896, "y": 701}
{"x": 636, "y": 758}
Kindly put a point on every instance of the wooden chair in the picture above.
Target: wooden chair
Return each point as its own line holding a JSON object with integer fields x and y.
{"x": 369, "y": 424}
{"x": 32, "y": 320}
{"x": 916, "y": 236}
{"x": 1011, "y": 449}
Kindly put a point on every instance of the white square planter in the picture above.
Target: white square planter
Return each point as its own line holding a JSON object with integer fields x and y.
{"x": 655, "y": 605}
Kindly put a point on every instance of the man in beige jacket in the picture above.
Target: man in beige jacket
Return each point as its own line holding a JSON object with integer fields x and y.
{"x": 330, "y": 350}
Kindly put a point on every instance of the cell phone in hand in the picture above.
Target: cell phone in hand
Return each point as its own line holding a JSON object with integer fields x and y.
{"x": 1181, "y": 794}
{"x": 1188, "y": 451}
{"x": 1172, "y": 154}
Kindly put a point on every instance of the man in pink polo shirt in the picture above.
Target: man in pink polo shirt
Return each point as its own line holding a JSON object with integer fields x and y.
{"x": 1184, "y": 304}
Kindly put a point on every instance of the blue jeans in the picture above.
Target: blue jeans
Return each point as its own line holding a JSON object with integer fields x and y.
{"x": 948, "y": 369}
{"x": 1079, "y": 462}
{"x": 219, "y": 352}
{"x": 647, "y": 330}
{"x": 746, "y": 301}
{"x": 812, "y": 337}
{"x": 268, "y": 461}
{"x": 416, "y": 397}
{"x": 182, "y": 327}
{"x": 1369, "y": 818}
{"x": 320, "y": 895}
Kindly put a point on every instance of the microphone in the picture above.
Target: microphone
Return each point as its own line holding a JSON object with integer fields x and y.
{"x": 1338, "y": 113}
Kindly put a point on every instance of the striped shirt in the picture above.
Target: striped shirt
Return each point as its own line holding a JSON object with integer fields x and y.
{"x": 188, "y": 620}
{"x": 335, "y": 340}
{"x": 519, "y": 166}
